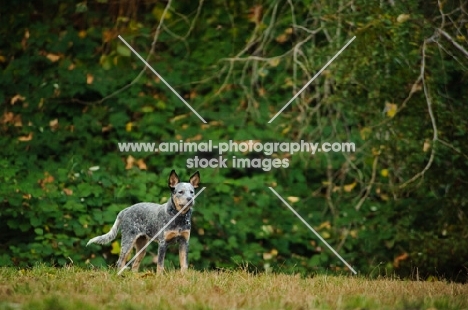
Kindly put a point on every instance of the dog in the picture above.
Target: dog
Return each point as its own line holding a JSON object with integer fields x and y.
{"x": 140, "y": 222}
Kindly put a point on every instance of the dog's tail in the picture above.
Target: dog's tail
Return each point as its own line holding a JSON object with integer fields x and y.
{"x": 109, "y": 236}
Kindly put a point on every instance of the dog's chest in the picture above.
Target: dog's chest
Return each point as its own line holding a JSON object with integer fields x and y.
{"x": 179, "y": 228}
{"x": 176, "y": 234}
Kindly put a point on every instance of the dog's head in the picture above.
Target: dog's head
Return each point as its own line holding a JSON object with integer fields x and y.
{"x": 183, "y": 193}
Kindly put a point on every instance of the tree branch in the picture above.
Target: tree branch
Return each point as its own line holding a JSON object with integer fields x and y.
{"x": 431, "y": 115}
{"x": 448, "y": 37}
{"x": 151, "y": 52}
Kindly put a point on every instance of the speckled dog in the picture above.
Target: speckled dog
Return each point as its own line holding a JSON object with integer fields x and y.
{"x": 142, "y": 221}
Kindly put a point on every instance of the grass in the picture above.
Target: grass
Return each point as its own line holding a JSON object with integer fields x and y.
{"x": 75, "y": 288}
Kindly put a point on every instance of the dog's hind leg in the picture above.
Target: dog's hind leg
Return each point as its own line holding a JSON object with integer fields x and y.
{"x": 139, "y": 244}
{"x": 125, "y": 248}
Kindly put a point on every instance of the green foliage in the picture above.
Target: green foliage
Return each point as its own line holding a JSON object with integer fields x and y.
{"x": 72, "y": 90}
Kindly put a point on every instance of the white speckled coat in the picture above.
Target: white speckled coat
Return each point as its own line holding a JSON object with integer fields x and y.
{"x": 142, "y": 221}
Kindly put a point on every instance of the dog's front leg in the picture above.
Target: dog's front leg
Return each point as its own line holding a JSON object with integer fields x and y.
{"x": 183, "y": 250}
{"x": 183, "y": 254}
{"x": 161, "y": 255}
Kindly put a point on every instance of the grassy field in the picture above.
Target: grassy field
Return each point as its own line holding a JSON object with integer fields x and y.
{"x": 75, "y": 288}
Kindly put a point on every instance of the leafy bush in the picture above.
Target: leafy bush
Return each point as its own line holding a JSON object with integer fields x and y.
{"x": 72, "y": 90}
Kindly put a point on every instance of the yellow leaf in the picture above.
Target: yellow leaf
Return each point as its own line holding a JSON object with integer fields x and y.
{"x": 129, "y": 126}
{"x": 16, "y": 98}
{"x": 365, "y": 133}
{"x": 274, "y": 62}
{"x": 115, "y": 247}
{"x": 416, "y": 87}
{"x": 53, "y": 57}
{"x": 7, "y": 118}
{"x": 53, "y": 124}
{"x": 141, "y": 164}
{"x": 130, "y": 161}
{"x": 89, "y": 79}
{"x": 400, "y": 258}
{"x": 426, "y": 146}
{"x": 403, "y": 18}
{"x": 47, "y": 180}
{"x": 255, "y": 14}
{"x": 293, "y": 199}
{"x": 108, "y": 35}
{"x": 348, "y": 188}
{"x": 82, "y": 34}
{"x": 195, "y": 138}
{"x": 158, "y": 12}
{"x": 2, "y": 58}
{"x": 282, "y": 38}
{"x": 261, "y": 92}
{"x": 105, "y": 62}
{"x": 391, "y": 109}
{"x": 384, "y": 197}
{"x": 178, "y": 117}
{"x": 384, "y": 173}
{"x": 263, "y": 72}
{"x": 325, "y": 225}
{"x": 326, "y": 235}
{"x": 270, "y": 255}
{"x": 26, "y": 138}
{"x": 288, "y": 82}
{"x": 106, "y": 128}
{"x": 134, "y": 25}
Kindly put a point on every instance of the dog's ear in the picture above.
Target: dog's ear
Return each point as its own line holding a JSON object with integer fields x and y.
{"x": 173, "y": 179}
{"x": 195, "y": 179}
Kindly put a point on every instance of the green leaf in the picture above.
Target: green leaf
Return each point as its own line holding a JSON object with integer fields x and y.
{"x": 106, "y": 62}
{"x": 84, "y": 190}
{"x": 123, "y": 50}
{"x": 158, "y": 12}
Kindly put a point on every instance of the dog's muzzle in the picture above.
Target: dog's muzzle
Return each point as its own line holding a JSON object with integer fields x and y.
{"x": 189, "y": 203}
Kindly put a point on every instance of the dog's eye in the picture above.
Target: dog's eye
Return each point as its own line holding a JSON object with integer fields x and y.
{"x": 181, "y": 192}
{"x": 191, "y": 192}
